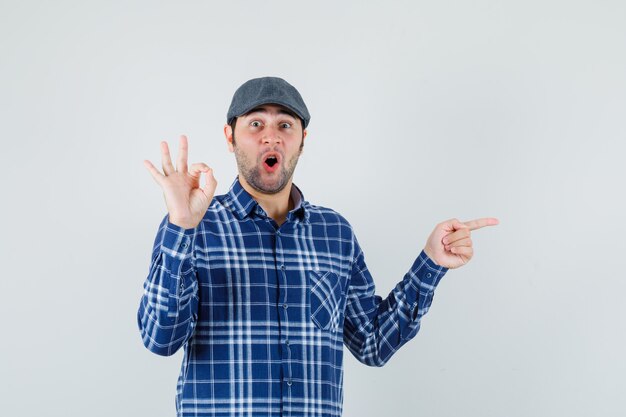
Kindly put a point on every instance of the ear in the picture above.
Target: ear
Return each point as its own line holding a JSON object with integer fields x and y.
{"x": 228, "y": 133}
{"x": 304, "y": 133}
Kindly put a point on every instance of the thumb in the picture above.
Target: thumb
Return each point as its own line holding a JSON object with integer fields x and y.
{"x": 451, "y": 225}
{"x": 458, "y": 225}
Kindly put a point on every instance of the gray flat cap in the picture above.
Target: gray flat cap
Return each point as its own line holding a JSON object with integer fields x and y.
{"x": 267, "y": 90}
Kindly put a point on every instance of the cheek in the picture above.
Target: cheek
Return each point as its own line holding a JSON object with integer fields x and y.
{"x": 295, "y": 142}
{"x": 247, "y": 144}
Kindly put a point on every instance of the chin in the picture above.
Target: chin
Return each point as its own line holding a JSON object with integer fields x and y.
{"x": 268, "y": 187}
{"x": 274, "y": 189}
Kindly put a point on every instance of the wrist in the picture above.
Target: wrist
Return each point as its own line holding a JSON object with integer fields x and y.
{"x": 428, "y": 253}
{"x": 185, "y": 224}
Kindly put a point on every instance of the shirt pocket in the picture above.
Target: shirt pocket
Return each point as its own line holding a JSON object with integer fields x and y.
{"x": 326, "y": 299}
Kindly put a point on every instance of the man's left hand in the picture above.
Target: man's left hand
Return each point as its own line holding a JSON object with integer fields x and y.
{"x": 450, "y": 244}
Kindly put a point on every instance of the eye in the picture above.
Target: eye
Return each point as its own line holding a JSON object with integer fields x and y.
{"x": 255, "y": 123}
{"x": 285, "y": 125}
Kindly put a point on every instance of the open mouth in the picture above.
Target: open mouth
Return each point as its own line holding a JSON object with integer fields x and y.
{"x": 271, "y": 161}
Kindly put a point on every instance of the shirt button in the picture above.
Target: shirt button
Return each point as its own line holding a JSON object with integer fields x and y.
{"x": 285, "y": 306}
{"x": 282, "y": 267}
{"x": 184, "y": 245}
{"x": 287, "y": 342}
{"x": 278, "y": 233}
{"x": 289, "y": 382}
{"x": 428, "y": 275}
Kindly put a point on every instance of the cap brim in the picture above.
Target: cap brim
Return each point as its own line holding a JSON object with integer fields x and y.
{"x": 258, "y": 103}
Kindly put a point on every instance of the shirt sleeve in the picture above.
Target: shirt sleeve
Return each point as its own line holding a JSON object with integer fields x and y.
{"x": 169, "y": 305}
{"x": 375, "y": 328}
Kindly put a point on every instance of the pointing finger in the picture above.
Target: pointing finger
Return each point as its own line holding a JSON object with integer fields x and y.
{"x": 478, "y": 223}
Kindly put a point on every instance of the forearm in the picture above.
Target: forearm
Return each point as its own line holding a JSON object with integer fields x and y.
{"x": 169, "y": 304}
{"x": 384, "y": 325}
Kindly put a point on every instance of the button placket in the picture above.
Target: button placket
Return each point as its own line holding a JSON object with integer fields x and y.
{"x": 283, "y": 312}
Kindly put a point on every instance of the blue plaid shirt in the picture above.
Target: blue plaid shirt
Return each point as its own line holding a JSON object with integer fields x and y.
{"x": 263, "y": 311}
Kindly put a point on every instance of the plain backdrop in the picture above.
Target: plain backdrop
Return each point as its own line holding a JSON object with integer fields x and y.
{"x": 421, "y": 111}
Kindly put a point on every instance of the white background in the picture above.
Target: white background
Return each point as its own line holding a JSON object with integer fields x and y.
{"x": 421, "y": 111}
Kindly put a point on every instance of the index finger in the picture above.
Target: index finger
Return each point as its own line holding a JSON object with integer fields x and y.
{"x": 478, "y": 223}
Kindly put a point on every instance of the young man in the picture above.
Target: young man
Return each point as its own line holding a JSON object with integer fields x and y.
{"x": 263, "y": 288}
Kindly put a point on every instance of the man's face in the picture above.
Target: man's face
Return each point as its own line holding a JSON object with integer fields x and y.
{"x": 267, "y": 144}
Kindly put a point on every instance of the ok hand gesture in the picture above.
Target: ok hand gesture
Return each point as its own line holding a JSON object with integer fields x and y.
{"x": 186, "y": 202}
{"x": 450, "y": 244}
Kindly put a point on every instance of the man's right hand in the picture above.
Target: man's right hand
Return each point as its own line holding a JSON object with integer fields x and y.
{"x": 186, "y": 202}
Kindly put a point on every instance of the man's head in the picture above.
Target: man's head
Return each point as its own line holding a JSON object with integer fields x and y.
{"x": 266, "y": 128}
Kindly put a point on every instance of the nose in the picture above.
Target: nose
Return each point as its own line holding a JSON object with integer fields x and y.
{"x": 271, "y": 135}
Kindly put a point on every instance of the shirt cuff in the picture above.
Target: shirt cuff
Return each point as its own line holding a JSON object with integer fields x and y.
{"x": 425, "y": 276}
{"x": 434, "y": 271}
{"x": 177, "y": 241}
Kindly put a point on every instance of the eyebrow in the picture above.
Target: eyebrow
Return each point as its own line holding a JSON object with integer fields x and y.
{"x": 264, "y": 110}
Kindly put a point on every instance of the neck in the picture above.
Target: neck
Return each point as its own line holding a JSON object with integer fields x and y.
{"x": 275, "y": 205}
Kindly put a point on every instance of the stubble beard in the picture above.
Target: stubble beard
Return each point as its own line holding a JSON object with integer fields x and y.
{"x": 252, "y": 172}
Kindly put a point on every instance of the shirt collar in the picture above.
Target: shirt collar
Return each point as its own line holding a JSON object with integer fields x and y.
{"x": 243, "y": 204}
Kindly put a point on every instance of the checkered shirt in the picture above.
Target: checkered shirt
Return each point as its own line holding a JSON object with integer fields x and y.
{"x": 262, "y": 311}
